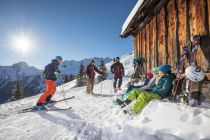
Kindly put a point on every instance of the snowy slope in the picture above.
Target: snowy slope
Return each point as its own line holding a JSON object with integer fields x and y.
{"x": 96, "y": 117}
{"x": 72, "y": 67}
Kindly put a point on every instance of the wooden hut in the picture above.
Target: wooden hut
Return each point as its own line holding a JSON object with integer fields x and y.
{"x": 160, "y": 28}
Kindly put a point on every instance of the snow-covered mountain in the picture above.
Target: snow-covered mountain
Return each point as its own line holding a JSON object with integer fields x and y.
{"x": 18, "y": 70}
{"x": 28, "y": 76}
{"x": 31, "y": 78}
{"x": 96, "y": 117}
{"x": 72, "y": 67}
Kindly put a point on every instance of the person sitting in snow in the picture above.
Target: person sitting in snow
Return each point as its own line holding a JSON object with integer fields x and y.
{"x": 90, "y": 71}
{"x": 159, "y": 91}
{"x": 50, "y": 77}
{"x": 117, "y": 70}
{"x": 152, "y": 78}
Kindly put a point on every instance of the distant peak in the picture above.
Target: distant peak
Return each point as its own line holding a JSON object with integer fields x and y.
{"x": 20, "y": 64}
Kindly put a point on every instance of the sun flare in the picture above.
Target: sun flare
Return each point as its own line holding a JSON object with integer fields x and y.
{"x": 22, "y": 43}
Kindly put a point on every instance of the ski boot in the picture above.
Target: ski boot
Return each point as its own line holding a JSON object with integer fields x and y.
{"x": 39, "y": 107}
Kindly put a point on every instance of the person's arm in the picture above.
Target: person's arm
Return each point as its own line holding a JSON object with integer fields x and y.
{"x": 96, "y": 69}
{"x": 87, "y": 70}
{"x": 123, "y": 70}
{"x": 150, "y": 84}
{"x": 112, "y": 68}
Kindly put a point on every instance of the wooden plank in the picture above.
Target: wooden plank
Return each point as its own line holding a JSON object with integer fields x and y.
{"x": 166, "y": 26}
{"x": 156, "y": 41}
{"x": 177, "y": 45}
{"x": 135, "y": 46}
{"x": 161, "y": 55}
{"x": 205, "y": 39}
{"x": 148, "y": 47}
{"x": 152, "y": 42}
{"x": 197, "y": 20}
{"x": 182, "y": 23}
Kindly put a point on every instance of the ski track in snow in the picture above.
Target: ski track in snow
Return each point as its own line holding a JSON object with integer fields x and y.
{"x": 96, "y": 117}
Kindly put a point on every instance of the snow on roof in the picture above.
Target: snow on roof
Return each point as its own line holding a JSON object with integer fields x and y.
{"x": 131, "y": 15}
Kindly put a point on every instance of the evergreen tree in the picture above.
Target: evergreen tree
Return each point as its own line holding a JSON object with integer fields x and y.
{"x": 66, "y": 79}
{"x": 72, "y": 77}
{"x": 81, "y": 77}
{"x": 102, "y": 68}
{"x": 17, "y": 93}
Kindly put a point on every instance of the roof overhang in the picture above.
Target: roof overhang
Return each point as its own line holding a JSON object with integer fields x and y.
{"x": 142, "y": 13}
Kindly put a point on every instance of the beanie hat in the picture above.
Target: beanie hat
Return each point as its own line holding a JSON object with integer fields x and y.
{"x": 165, "y": 68}
{"x": 58, "y": 58}
{"x": 155, "y": 70}
{"x": 149, "y": 73}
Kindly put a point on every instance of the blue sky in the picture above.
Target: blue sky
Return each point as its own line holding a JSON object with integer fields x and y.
{"x": 74, "y": 29}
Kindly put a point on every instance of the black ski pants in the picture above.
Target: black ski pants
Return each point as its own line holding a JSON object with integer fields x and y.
{"x": 119, "y": 82}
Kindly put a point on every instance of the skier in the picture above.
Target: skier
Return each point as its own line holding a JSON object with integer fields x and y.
{"x": 50, "y": 77}
{"x": 90, "y": 71}
{"x": 117, "y": 70}
{"x": 157, "y": 92}
{"x": 137, "y": 61}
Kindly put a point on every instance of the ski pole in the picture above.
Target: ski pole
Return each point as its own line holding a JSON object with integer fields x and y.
{"x": 101, "y": 86}
{"x": 63, "y": 93}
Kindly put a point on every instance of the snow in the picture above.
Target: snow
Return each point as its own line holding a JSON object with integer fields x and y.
{"x": 131, "y": 15}
{"x": 96, "y": 117}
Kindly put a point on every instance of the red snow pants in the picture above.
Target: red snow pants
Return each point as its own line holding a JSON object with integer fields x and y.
{"x": 50, "y": 91}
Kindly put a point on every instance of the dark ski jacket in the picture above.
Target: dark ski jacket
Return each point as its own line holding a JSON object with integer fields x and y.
{"x": 117, "y": 69}
{"x": 164, "y": 86}
{"x": 50, "y": 69}
{"x": 90, "y": 70}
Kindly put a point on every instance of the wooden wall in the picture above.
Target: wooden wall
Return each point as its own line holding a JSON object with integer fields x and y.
{"x": 161, "y": 40}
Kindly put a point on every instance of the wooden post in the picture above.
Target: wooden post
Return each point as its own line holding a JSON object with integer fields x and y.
{"x": 177, "y": 33}
{"x": 156, "y": 41}
{"x": 166, "y": 34}
{"x": 207, "y": 44}
{"x": 188, "y": 42}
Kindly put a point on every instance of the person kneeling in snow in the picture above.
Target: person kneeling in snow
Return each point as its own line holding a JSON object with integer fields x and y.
{"x": 157, "y": 92}
{"x": 49, "y": 75}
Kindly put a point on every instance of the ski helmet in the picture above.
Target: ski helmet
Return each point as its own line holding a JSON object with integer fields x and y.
{"x": 58, "y": 58}
{"x": 117, "y": 59}
{"x": 194, "y": 73}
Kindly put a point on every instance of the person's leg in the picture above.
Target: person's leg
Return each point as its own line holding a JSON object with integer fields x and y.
{"x": 134, "y": 94}
{"x": 53, "y": 90}
{"x": 88, "y": 84}
{"x": 120, "y": 82}
{"x": 115, "y": 83}
{"x": 49, "y": 90}
{"x": 143, "y": 99}
{"x": 92, "y": 83}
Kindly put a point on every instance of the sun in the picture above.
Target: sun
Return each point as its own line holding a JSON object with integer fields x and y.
{"x": 22, "y": 43}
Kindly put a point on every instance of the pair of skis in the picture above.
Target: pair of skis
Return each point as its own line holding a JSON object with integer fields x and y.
{"x": 47, "y": 107}
{"x": 186, "y": 96}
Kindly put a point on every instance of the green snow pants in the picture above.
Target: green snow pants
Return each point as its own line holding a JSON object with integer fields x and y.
{"x": 142, "y": 99}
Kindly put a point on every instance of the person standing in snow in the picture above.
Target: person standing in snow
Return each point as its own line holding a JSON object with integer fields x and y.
{"x": 90, "y": 71}
{"x": 160, "y": 91}
{"x": 50, "y": 77}
{"x": 117, "y": 70}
